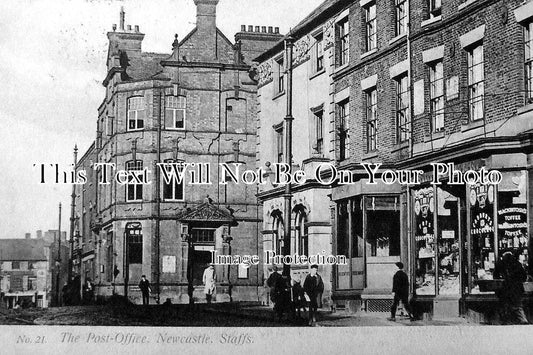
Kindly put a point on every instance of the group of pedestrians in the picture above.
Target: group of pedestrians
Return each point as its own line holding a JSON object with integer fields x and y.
{"x": 289, "y": 296}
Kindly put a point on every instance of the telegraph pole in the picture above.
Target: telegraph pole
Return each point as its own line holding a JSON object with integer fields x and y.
{"x": 289, "y": 42}
{"x": 58, "y": 261}
{"x": 72, "y": 215}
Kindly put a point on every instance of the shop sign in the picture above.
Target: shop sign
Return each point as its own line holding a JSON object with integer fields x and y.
{"x": 482, "y": 224}
{"x": 480, "y": 194}
{"x": 511, "y": 220}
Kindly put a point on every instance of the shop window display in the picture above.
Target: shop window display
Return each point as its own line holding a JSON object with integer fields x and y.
{"x": 512, "y": 217}
{"x": 448, "y": 247}
{"x": 383, "y": 226}
{"x": 424, "y": 241}
{"x": 482, "y": 236}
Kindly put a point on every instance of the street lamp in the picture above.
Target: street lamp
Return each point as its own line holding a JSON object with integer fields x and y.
{"x": 227, "y": 239}
{"x": 189, "y": 239}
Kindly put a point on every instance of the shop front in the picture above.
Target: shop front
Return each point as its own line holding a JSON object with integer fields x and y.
{"x": 459, "y": 233}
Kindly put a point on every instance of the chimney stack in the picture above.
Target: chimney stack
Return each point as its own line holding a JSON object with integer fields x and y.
{"x": 206, "y": 14}
{"x": 122, "y": 18}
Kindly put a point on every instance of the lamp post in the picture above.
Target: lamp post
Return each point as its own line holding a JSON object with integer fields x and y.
{"x": 227, "y": 239}
{"x": 58, "y": 260}
{"x": 189, "y": 239}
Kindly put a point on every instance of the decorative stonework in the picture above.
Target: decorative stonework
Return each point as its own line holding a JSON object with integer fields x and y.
{"x": 329, "y": 34}
{"x": 264, "y": 72}
{"x": 301, "y": 50}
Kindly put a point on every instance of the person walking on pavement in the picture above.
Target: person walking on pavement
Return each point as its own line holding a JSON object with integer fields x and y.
{"x": 510, "y": 295}
{"x": 271, "y": 283}
{"x": 144, "y": 285}
{"x": 313, "y": 287}
{"x": 400, "y": 292}
{"x": 209, "y": 280}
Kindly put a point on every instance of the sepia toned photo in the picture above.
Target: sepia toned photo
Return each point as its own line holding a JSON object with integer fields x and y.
{"x": 203, "y": 172}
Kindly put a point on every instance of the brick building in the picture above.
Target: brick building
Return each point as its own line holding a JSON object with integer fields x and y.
{"x": 194, "y": 105}
{"x": 414, "y": 83}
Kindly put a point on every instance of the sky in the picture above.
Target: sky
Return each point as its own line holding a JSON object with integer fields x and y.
{"x": 52, "y": 64}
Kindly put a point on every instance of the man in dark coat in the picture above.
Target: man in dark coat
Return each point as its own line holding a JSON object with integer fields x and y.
{"x": 271, "y": 283}
{"x": 313, "y": 287}
{"x": 400, "y": 292}
{"x": 144, "y": 285}
{"x": 510, "y": 295}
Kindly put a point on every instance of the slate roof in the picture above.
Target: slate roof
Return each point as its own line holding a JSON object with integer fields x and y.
{"x": 147, "y": 66}
{"x": 22, "y": 249}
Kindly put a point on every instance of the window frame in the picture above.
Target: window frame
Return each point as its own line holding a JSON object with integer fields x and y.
{"x": 475, "y": 87}
{"x": 138, "y": 122}
{"x": 342, "y": 45}
{"x": 279, "y": 82}
{"x": 137, "y": 188}
{"x": 371, "y": 108}
{"x": 318, "y": 118}
{"x": 174, "y": 185}
{"x": 402, "y": 114}
{"x": 318, "y": 64}
{"x": 280, "y": 147}
{"x": 436, "y": 95}
{"x": 371, "y": 41}
{"x": 528, "y": 61}
{"x": 343, "y": 117}
{"x": 434, "y": 10}
{"x": 135, "y": 238}
{"x": 400, "y": 9}
{"x": 181, "y": 106}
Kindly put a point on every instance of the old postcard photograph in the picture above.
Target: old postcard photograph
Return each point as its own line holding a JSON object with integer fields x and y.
{"x": 251, "y": 176}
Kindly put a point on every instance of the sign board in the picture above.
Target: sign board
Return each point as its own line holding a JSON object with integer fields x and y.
{"x": 169, "y": 264}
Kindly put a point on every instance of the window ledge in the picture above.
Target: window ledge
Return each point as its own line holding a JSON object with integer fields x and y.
{"x": 437, "y": 135}
{"x": 369, "y": 53}
{"x": 338, "y": 69}
{"x": 318, "y": 73}
{"x": 279, "y": 94}
{"x": 524, "y": 109}
{"x": 399, "y": 146}
{"x": 431, "y": 21}
{"x": 466, "y": 4}
{"x": 472, "y": 125}
{"x": 397, "y": 38}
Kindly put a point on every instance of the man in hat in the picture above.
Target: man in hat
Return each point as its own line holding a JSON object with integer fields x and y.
{"x": 313, "y": 287}
{"x": 144, "y": 285}
{"x": 400, "y": 292}
{"x": 272, "y": 281}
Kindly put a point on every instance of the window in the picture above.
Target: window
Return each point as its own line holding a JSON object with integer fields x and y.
{"x": 277, "y": 232}
{"x": 371, "y": 119}
{"x": 436, "y": 92}
{"x": 343, "y": 42}
{"x": 135, "y": 243}
{"x": 434, "y": 8}
{"x": 370, "y": 27}
{"x": 343, "y": 109}
{"x": 302, "y": 247}
{"x": 15, "y": 265}
{"x": 136, "y": 113}
{"x": 174, "y": 190}
{"x": 401, "y": 17}
{"x": 402, "y": 109}
{"x": 109, "y": 260}
{"x": 201, "y": 235}
{"x": 319, "y": 132}
{"x": 280, "y": 79}
{"x": 175, "y": 112}
{"x": 528, "y": 61}
{"x": 32, "y": 283}
{"x": 383, "y": 226}
{"x": 319, "y": 53}
{"x": 134, "y": 189}
{"x": 476, "y": 87}
{"x": 279, "y": 143}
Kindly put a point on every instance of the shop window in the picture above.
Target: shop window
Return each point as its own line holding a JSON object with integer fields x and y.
{"x": 343, "y": 114}
{"x": 343, "y": 237}
{"x": 175, "y": 107}
{"x": 134, "y": 189}
{"x": 172, "y": 191}
{"x": 136, "y": 113}
{"x": 383, "y": 226}
{"x": 528, "y": 61}
{"x": 482, "y": 235}
{"x": 371, "y": 119}
{"x": 436, "y": 92}
{"x": 135, "y": 243}
{"x": 370, "y": 27}
{"x": 402, "y": 108}
{"x": 512, "y": 217}
{"x": 401, "y": 17}
{"x": 424, "y": 209}
{"x": 357, "y": 240}
{"x": 476, "y": 83}
{"x": 343, "y": 42}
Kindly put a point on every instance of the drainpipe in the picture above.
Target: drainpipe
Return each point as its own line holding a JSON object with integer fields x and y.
{"x": 410, "y": 79}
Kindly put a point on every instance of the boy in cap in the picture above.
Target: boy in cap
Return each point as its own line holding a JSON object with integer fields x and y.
{"x": 313, "y": 287}
{"x": 400, "y": 292}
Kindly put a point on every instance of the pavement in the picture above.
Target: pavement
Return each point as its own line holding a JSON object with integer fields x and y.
{"x": 202, "y": 315}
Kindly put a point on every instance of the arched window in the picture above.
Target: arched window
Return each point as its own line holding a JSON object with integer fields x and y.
{"x": 302, "y": 241}
{"x": 278, "y": 232}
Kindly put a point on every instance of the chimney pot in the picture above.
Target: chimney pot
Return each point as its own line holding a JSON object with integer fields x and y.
{"x": 28, "y": 235}
{"x": 122, "y": 18}
{"x": 137, "y": 28}
{"x": 257, "y": 29}
{"x": 250, "y": 28}
{"x": 243, "y": 28}
{"x": 129, "y": 27}
{"x": 114, "y": 27}
{"x": 270, "y": 29}
{"x": 276, "y": 30}
{"x": 263, "y": 29}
